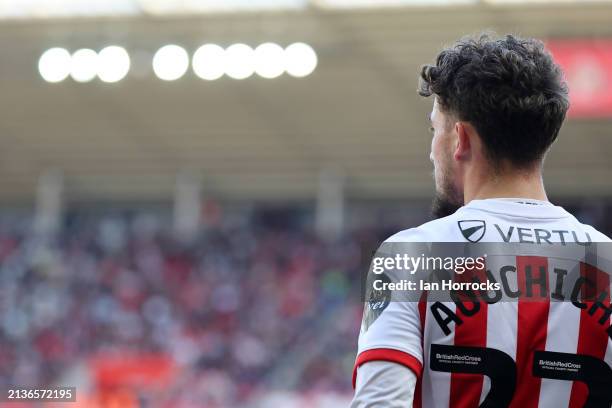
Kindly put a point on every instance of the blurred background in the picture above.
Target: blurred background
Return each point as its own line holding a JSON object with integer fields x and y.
{"x": 190, "y": 189}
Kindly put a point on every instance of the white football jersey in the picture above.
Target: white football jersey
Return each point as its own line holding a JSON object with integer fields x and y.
{"x": 519, "y": 354}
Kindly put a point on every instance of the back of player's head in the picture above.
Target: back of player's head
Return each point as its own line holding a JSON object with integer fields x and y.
{"x": 509, "y": 89}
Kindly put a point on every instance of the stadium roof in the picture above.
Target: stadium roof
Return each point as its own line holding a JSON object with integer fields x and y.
{"x": 44, "y": 9}
{"x": 258, "y": 138}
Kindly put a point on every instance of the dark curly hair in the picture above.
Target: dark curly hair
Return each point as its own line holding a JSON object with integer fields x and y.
{"x": 509, "y": 89}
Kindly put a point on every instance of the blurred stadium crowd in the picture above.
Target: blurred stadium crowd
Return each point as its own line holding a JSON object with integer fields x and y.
{"x": 122, "y": 308}
{"x": 134, "y": 315}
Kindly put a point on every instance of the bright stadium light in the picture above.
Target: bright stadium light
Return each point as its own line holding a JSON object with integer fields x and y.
{"x": 300, "y": 59}
{"x": 269, "y": 60}
{"x": 54, "y": 65}
{"x": 113, "y": 64}
{"x": 209, "y": 62}
{"x": 170, "y": 62}
{"x": 240, "y": 61}
{"x": 84, "y": 66}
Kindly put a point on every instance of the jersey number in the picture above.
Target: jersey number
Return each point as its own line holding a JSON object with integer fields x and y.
{"x": 501, "y": 370}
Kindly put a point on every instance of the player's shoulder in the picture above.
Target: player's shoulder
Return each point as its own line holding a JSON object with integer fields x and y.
{"x": 594, "y": 234}
{"x": 445, "y": 229}
{"x": 473, "y": 223}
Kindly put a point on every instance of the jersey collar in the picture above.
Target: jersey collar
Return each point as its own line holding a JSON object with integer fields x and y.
{"x": 522, "y": 207}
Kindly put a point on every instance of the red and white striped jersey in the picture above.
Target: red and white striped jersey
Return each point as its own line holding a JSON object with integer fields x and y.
{"x": 520, "y": 354}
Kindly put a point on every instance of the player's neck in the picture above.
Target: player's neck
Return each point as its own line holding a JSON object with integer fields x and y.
{"x": 505, "y": 184}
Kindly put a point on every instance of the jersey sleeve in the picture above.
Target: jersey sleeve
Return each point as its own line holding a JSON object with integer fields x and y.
{"x": 394, "y": 336}
{"x": 382, "y": 384}
{"x": 391, "y": 331}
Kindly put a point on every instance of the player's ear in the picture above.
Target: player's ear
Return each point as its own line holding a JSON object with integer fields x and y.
{"x": 463, "y": 146}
